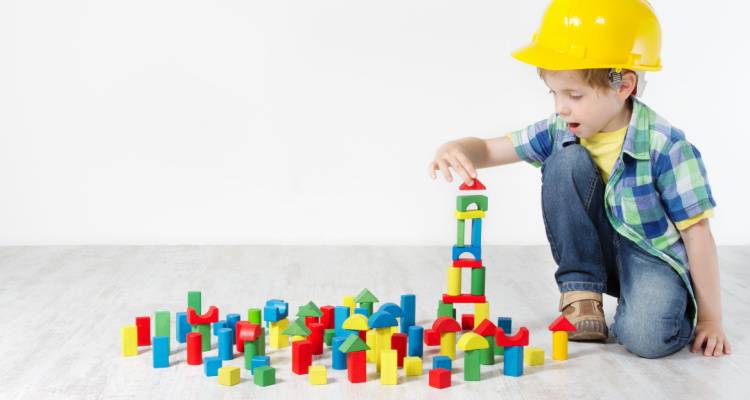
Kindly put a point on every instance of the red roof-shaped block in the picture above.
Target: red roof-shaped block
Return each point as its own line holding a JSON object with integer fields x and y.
{"x": 519, "y": 339}
{"x": 211, "y": 316}
{"x": 486, "y": 328}
{"x": 445, "y": 325}
{"x": 561, "y": 324}
{"x": 476, "y": 185}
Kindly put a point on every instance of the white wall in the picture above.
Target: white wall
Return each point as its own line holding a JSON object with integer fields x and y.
{"x": 309, "y": 122}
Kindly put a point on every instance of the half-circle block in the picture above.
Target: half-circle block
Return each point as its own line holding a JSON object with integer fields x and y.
{"x": 356, "y": 322}
{"x": 445, "y": 325}
{"x": 391, "y": 308}
{"x": 381, "y": 319}
{"x": 472, "y": 341}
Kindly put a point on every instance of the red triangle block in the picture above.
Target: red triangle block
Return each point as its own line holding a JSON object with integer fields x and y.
{"x": 561, "y": 324}
{"x": 486, "y": 328}
{"x": 476, "y": 185}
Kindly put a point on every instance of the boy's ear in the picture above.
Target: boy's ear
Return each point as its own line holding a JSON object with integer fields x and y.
{"x": 628, "y": 85}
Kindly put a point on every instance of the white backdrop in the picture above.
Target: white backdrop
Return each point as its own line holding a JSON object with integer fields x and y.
{"x": 309, "y": 122}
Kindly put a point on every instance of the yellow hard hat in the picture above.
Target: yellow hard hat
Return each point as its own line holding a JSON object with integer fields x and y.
{"x": 582, "y": 34}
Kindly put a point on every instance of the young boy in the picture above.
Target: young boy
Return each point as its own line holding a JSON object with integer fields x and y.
{"x": 625, "y": 197}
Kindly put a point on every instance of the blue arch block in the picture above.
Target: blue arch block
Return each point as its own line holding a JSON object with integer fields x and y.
{"x": 475, "y": 251}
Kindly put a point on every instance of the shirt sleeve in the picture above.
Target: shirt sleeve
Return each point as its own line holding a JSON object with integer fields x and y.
{"x": 533, "y": 143}
{"x": 682, "y": 181}
{"x": 687, "y": 223}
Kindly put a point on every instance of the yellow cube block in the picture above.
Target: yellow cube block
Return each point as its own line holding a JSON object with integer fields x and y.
{"x": 278, "y": 340}
{"x": 129, "y": 341}
{"x": 317, "y": 375}
{"x": 229, "y": 375}
{"x": 388, "y": 367}
{"x": 533, "y": 356}
{"x": 413, "y": 366}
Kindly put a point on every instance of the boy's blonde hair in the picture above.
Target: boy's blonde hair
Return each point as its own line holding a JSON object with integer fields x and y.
{"x": 597, "y": 78}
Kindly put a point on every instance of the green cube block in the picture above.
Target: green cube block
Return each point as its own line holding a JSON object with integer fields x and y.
{"x": 446, "y": 310}
{"x": 264, "y": 376}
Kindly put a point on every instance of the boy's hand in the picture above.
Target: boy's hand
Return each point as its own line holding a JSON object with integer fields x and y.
{"x": 712, "y": 335}
{"x": 453, "y": 155}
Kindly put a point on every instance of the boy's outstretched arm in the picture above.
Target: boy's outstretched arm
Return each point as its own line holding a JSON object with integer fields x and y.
{"x": 467, "y": 155}
{"x": 704, "y": 268}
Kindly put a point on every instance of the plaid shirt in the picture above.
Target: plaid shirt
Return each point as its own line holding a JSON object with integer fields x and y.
{"x": 659, "y": 179}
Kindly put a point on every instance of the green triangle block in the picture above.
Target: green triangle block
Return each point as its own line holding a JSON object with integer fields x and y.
{"x": 353, "y": 343}
{"x": 309, "y": 310}
{"x": 297, "y": 328}
{"x": 366, "y": 297}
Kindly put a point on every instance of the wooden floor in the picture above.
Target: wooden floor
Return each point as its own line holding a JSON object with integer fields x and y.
{"x": 64, "y": 307}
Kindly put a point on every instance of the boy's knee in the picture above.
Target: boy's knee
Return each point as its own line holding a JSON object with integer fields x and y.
{"x": 569, "y": 161}
{"x": 651, "y": 336}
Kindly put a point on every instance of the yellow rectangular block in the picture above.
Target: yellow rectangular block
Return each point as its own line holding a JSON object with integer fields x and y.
{"x": 129, "y": 341}
{"x": 371, "y": 340}
{"x": 454, "y": 281}
{"x": 389, "y": 367}
{"x": 533, "y": 356}
{"x": 469, "y": 214}
{"x": 413, "y": 366}
{"x": 229, "y": 375}
{"x": 276, "y": 339}
{"x": 348, "y": 301}
{"x": 318, "y": 375}
{"x": 481, "y": 312}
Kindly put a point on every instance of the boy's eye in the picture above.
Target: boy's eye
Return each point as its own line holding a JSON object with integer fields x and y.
{"x": 575, "y": 96}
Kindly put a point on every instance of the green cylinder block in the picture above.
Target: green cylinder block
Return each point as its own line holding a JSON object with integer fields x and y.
{"x": 477, "y": 281}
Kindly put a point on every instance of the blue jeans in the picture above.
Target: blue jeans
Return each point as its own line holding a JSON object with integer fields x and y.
{"x": 652, "y": 318}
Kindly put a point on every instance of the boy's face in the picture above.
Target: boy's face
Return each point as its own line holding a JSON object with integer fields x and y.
{"x": 587, "y": 110}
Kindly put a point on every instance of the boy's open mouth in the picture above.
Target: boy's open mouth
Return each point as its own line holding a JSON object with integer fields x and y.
{"x": 573, "y": 124}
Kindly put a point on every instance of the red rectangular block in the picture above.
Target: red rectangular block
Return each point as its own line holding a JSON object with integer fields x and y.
{"x": 464, "y": 298}
{"x": 143, "y": 325}
{"x": 398, "y": 343}
{"x": 467, "y": 322}
{"x": 356, "y": 366}
{"x": 327, "y": 318}
{"x": 301, "y": 357}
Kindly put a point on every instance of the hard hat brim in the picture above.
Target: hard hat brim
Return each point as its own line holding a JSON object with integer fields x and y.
{"x": 552, "y": 60}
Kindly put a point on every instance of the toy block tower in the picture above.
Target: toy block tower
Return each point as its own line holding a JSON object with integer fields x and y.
{"x": 470, "y": 208}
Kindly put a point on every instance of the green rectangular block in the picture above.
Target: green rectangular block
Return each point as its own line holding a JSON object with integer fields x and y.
{"x": 194, "y": 300}
{"x": 264, "y": 376}
{"x": 460, "y": 231}
{"x": 471, "y": 365}
{"x": 162, "y": 325}
{"x": 261, "y": 342}
{"x": 446, "y": 310}
{"x": 488, "y": 355}
{"x": 251, "y": 350}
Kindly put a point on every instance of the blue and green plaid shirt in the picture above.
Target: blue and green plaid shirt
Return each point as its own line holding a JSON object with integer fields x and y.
{"x": 658, "y": 179}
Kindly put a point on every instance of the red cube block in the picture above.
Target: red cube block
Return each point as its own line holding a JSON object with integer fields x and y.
{"x": 431, "y": 337}
{"x": 440, "y": 378}
{"x": 467, "y": 322}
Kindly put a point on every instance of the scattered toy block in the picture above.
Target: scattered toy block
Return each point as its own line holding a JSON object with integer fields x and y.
{"x": 182, "y": 327}
{"x": 442, "y": 362}
{"x": 259, "y": 361}
{"x": 454, "y": 281}
{"x": 366, "y": 300}
{"x": 317, "y": 375}
{"x": 416, "y": 334}
{"x": 534, "y": 356}
{"x": 447, "y": 328}
{"x": 440, "y": 378}
{"x": 467, "y": 322}
{"x": 328, "y": 337}
{"x": 560, "y": 328}
{"x": 408, "y": 310}
{"x": 226, "y": 351}
{"x": 194, "y": 300}
{"x": 162, "y": 325}
{"x": 301, "y": 357}
{"x": 463, "y": 298}
{"x": 327, "y": 319}
{"x": 194, "y": 351}
{"x": 130, "y": 341}
{"x": 487, "y": 330}
{"x": 475, "y": 185}
{"x": 254, "y": 316}
{"x": 389, "y": 367}
{"x": 160, "y": 351}
{"x": 211, "y": 316}
{"x": 229, "y": 375}
{"x": 513, "y": 361}
{"x": 413, "y": 366}
{"x": 211, "y": 366}
{"x": 277, "y": 339}
{"x": 264, "y": 376}
{"x": 144, "y": 330}
{"x": 338, "y": 358}
{"x": 477, "y": 282}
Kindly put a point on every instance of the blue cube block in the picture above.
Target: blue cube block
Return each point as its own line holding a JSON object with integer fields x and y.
{"x": 160, "y": 351}
{"x": 442, "y": 362}
{"x": 259, "y": 361}
{"x": 211, "y": 365}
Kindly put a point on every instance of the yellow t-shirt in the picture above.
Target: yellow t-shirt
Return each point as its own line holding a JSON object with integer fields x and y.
{"x": 605, "y": 148}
